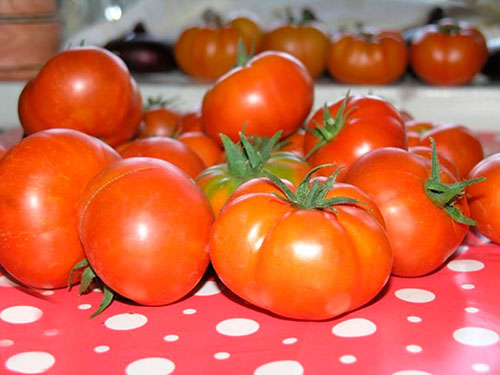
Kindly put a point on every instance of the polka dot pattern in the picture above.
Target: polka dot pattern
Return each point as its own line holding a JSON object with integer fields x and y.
{"x": 30, "y": 362}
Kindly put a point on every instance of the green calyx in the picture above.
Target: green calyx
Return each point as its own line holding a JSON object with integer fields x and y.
{"x": 446, "y": 195}
{"x": 330, "y": 126}
{"x": 450, "y": 29}
{"x": 244, "y": 159}
{"x": 242, "y": 57}
{"x": 312, "y": 196}
{"x": 88, "y": 275}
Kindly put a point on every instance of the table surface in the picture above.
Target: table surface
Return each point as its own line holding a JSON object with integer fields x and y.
{"x": 447, "y": 322}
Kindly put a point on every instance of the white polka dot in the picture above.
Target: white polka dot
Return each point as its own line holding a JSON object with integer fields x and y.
{"x": 51, "y": 332}
{"x": 237, "y": 327}
{"x": 414, "y": 319}
{"x": 21, "y": 314}
{"x": 84, "y": 306}
{"x": 6, "y": 282}
{"x": 30, "y": 362}
{"x": 468, "y": 286}
{"x": 6, "y": 342}
{"x": 413, "y": 348}
{"x": 122, "y": 322}
{"x": 356, "y": 327}
{"x": 472, "y": 310}
{"x": 208, "y": 289}
{"x": 221, "y": 355}
{"x": 101, "y": 349}
{"x": 480, "y": 367}
{"x": 280, "y": 367}
{"x": 465, "y": 265}
{"x": 476, "y": 336}
{"x": 171, "y": 338}
{"x": 415, "y": 295}
{"x": 151, "y": 366}
{"x": 410, "y": 372}
{"x": 348, "y": 359}
{"x": 189, "y": 311}
{"x": 289, "y": 341}
{"x": 48, "y": 292}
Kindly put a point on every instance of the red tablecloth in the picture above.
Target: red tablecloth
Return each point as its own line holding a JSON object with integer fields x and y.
{"x": 444, "y": 323}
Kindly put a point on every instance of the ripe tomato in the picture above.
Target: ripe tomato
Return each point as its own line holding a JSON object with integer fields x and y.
{"x": 259, "y": 95}
{"x": 448, "y": 53}
{"x": 43, "y": 177}
{"x": 300, "y": 261}
{"x": 204, "y": 146}
{"x": 418, "y": 217}
{"x": 209, "y": 51}
{"x": 295, "y": 142}
{"x": 144, "y": 228}
{"x": 356, "y": 125}
{"x": 191, "y": 122}
{"x": 367, "y": 57}
{"x": 415, "y": 129}
{"x": 444, "y": 161}
{"x": 166, "y": 149}
{"x": 483, "y": 198}
{"x": 159, "y": 120}
{"x": 88, "y": 89}
{"x": 458, "y": 143}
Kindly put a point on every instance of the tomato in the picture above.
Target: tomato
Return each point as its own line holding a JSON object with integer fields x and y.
{"x": 294, "y": 142}
{"x": 204, "y": 146}
{"x": 415, "y": 129}
{"x": 458, "y": 143}
{"x": 424, "y": 223}
{"x": 144, "y": 228}
{"x": 300, "y": 261}
{"x": 484, "y": 198}
{"x": 364, "y": 123}
{"x": 87, "y": 89}
{"x": 259, "y": 95}
{"x": 444, "y": 161}
{"x": 209, "y": 51}
{"x": 159, "y": 120}
{"x": 43, "y": 177}
{"x": 367, "y": 57}
{"x": 191, "y": 122}
{"x": 166, "y": 149}
{"x": 448, "y": 53}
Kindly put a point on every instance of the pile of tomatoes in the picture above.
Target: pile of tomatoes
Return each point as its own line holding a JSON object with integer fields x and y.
{"x": 303, "y": 213}
{"x": 446, "y": 53}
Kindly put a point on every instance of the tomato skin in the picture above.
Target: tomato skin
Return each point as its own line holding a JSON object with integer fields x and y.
{"x": 87, "y": 89}
{"x": 444, "y": 161}
{"x": 484, "y": 199}
{"x": 134, "y": 215}
{"x": 191, "y": 122}
{"x": 259, "y": 95}
{"x": 301, "y": 264}
{"x": 167, "y": 149}
{"x": 204, "y": 146}
{"x": 379, "y": 58}
{"x": 43, "y": 177}
{"x": 448, "y": 58}
{"x": 159, "y": 122}
{"x": 295, "y": 142}
{"x": 458, "y": 143}
{"x": 371, "y": 123}
{"x": 306, "y": 42}
{"x": 421, "y": 234}
{"x": 415, "y": 129}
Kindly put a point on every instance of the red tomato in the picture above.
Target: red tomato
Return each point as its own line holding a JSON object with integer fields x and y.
{"x": 159, "y": 121}
{"x": 458, "y": 143}
{"x": 366, "y": 123}
{"x": 191, "y": 122}
{"x": 204, "y": 146}
{"x": 422, "y": 233}
{"x": 483, "y": 198}
{"x": 367, "y": 57}
{"x": 295, "y": 142}
{"x": 144, "y": 227}
{"x": 444, "y": 161}
{"x": 448, "y": 53}
{"x": 43, "y": 177}
{"x": 88, "y": 89}
{"x": 259, "y": 96}
{"x": 415, "y": 129}
{"x": 167, "y": 149}
{"x": 301, "y": 263}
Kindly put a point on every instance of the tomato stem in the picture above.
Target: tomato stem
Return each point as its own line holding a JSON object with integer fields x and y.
{"x": 242, "y": 57}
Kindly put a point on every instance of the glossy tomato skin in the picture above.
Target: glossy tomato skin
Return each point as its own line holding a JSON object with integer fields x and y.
{"x": 458, "y": 143}
{"x": 167, "y": 149}
{"x": 421, "y": 234}
{"x": 379, "y": 57}
{"x": 144, "y": 228}
{"x": 204, "y": 146}
{"x": 218, "y": 183}
{"x": 307, "y": 42}
{"x": 191, "y": 121}
{"x": 444, "y": 56}
{"x": 159, "y": 122}
{"x": 444, "y": 161}
{"x": 87, "y": 89}
{"x": 43, "y": 177}
{"x": 371, "y": 123}
{"x": 301, "y": 264}
{"x": 272, "y": 92}
{"x": 484, "y": 197}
